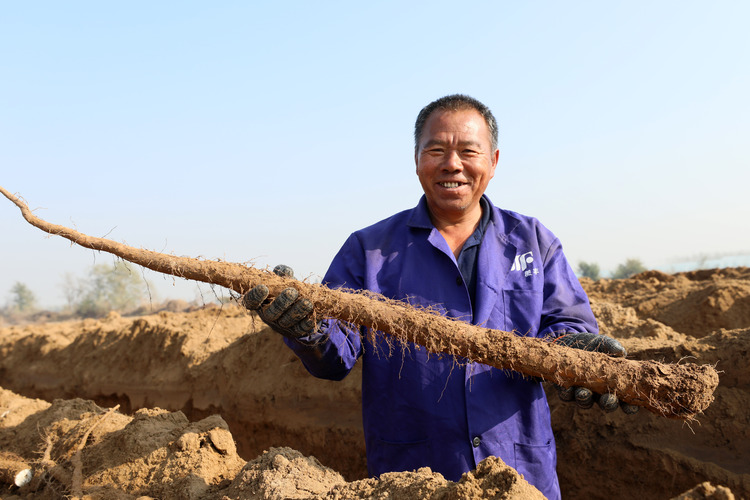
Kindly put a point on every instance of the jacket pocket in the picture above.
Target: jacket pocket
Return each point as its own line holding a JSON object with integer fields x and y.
{"x": 537, "y": 463}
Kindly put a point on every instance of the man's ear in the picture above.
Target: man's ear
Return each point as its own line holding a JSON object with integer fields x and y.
{"x": 495, "y": 159}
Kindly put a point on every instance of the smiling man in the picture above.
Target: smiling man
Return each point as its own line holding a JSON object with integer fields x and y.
{"x": 459, "y": 254}
{"x": 456, "y": 158}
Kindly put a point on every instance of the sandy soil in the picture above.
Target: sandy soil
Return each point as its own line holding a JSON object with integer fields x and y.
{"x": 212, "y": 405}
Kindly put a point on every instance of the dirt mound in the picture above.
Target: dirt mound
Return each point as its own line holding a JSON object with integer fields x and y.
{"x": 82, "y": 448}
{"x": 219, "y": 370}
{"x": 694, "y": 303}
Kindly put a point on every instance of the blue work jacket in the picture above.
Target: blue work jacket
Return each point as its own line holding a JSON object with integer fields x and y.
{"x": 425, "y": 410}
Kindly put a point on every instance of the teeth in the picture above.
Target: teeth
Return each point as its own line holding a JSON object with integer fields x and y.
{"x": 449, "y": 184}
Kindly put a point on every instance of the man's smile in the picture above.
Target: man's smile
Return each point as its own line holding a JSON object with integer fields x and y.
{"x": 452, "y": 184}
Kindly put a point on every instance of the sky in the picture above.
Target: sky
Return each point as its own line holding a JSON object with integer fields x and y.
{"x": 267, "y": 132}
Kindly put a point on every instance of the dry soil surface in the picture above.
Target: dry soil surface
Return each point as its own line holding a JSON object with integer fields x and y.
{"x": 209, "y": 404}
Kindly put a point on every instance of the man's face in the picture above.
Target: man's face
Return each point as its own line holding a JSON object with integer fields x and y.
{"x": 455, "y": 162}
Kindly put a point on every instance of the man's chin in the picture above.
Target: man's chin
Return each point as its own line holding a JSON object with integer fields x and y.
{"x": 455, "y": 207}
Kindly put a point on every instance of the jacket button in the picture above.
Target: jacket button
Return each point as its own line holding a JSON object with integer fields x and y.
{"x": 459, "y": 281}
{"x": 476, "y": 441}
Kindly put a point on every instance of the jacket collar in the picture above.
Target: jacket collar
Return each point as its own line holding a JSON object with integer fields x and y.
{"x": 420, "y": 215}
{"x": 503, "y": 221}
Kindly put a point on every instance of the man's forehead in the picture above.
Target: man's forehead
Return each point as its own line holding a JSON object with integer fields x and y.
{"x": 450, "y": 140}
{"x": 446, "y": 122}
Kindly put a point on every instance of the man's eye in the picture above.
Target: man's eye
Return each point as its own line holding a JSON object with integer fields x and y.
{"x": 471, "y": 152}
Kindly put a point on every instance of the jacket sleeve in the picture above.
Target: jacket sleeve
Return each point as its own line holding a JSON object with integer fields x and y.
{"x": 566, "y": 307}
{"x": 332, "y": 351}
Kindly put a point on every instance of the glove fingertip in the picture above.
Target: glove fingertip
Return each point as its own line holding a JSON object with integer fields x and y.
{"x": 566, "y": 393}
{"x": 304, "y": 328}
{"x": 585, "y": 404}
{"x": 255, "y": 297}
{"x": 629, "y": 409}
{"x": 608, "y": 402}
{"x": 614, "y": 347}
{"x": 280, "y": 304}
{"x": 584, "y": 397}
{"x": 283, "y": 271}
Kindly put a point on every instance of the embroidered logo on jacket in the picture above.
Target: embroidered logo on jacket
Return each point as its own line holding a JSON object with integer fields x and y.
{"x": 522, "y": 263}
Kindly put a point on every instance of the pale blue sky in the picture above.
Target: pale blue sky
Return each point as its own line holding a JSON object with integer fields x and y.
{"x": 269, "y": 132}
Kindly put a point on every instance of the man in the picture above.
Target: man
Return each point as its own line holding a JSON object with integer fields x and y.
{"x": 457, "y": 252}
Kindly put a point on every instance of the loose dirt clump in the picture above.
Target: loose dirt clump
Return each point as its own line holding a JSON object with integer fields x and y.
{"x": 707, "y": 491}
{"x": 491, "y": 479}
{"x": 241, "y": 417}
{"x": 283, "y": 473}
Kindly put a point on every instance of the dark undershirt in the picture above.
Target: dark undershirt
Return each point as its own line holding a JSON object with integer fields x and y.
{"x": 467, "y": 258}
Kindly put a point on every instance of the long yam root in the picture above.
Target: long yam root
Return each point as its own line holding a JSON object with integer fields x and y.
{"x": 678, "y": 391}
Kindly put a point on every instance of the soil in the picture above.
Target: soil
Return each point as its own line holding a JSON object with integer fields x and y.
{"x": 212, "y": 405}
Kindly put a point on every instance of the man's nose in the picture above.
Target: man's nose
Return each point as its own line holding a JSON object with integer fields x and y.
{"x": 452, "y": 161}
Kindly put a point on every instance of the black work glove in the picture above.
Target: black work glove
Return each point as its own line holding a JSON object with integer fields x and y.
{"x": 288, "y": 314}
{"x": 584, "y": 397}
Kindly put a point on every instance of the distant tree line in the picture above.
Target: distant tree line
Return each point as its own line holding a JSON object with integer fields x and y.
{"x": 624, "y": 270}
{"x": 106, "y": 288}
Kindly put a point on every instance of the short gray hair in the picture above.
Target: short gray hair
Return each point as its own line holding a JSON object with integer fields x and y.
{"x": 455, "y": 102}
